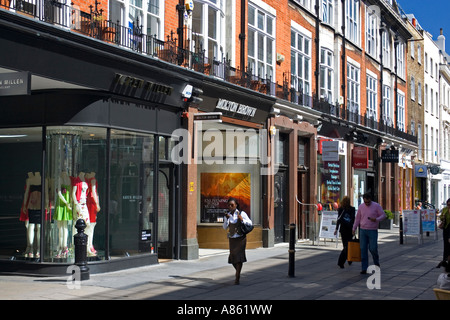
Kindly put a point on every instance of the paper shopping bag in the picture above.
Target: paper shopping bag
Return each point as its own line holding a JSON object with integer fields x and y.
{"x": 353, "y": 251}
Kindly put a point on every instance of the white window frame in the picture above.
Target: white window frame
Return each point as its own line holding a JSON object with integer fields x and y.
{"x": 401, "y": 111}
{"x": 301, "y": 71}
{"x": 327, "y": 12}
{"x": 352, "y": 16}
{"x": 371, "y": 34}
{"x": 371, "y": 95}
{"x": 261, "y": 43}
{"x": 326, "y": 74}
{"x": 401, "y": 59}
{"x": 353, "y": 88}
{"x": 209, "y": 37}
{"x": 386, "y": 47}
{"x": 413, "y": 89}
{"x": 387, "y": 116}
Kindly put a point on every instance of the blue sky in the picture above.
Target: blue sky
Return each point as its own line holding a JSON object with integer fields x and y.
{"x": 431, "y": 15}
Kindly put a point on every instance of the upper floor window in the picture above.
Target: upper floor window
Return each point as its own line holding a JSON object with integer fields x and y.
{"x": 401, "y": 111}
{"x": 304, "y": 3}
{"x": 136, "y": 13}
{"x": 300, "y": 62}
{"x": 387, "y": 105}
{"x": 386, "y": 47}
{"x": 352, "y": 20}
{"x": 207, "y": 26}
{"x": 327, "y": 11}
{"x": 401, "y": 59}
{"x": 371, "y": 33}
{"x": 371, "y": 97}
{"x": 261, "y": 42}
{"x": 353, "y": 81}
{"x": 326, "y": 74}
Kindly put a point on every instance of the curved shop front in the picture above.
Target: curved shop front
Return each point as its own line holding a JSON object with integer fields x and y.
{"x": 70, "y": 154}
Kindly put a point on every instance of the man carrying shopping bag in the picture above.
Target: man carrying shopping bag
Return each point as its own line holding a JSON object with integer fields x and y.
{"x": 369, "y": 215}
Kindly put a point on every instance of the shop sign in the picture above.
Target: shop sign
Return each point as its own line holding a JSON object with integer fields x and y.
{"x": 208, "y": 116}
{"x": 140, "y": 88}
{"x": 15, "y": 83}
{"x": 421, "y": 171}
{"x": 360, "y": 158}
{"x": 330, "y": 151}
{"x": 389, "y": 155}
{"x": 146, "y": 235}
{"x": 235, "y": 109}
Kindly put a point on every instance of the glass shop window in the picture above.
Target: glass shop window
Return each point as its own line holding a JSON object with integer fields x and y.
{"x": 21, "y": 206}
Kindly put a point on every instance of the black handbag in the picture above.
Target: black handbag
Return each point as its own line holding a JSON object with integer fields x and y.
{"x": 245, "y": 228}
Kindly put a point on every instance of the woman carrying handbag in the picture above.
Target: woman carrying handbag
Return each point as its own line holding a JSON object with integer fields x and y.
{"x": 344, "y": 224}
{"x": 237, "y": 239}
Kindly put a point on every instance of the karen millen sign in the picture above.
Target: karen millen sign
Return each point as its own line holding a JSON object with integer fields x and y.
{"x": 15, "y": 83}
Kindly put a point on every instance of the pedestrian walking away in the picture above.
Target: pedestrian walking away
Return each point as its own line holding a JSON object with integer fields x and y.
{"x": 444, "y": 224}
{"x": 345, "y": 221}
{"x": 237, "y": 240}
{"x": 369, "y": 215}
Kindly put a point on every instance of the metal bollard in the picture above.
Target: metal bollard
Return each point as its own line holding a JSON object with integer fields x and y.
{"x": 291, "y": 271}
{"x": 80, "y": 240}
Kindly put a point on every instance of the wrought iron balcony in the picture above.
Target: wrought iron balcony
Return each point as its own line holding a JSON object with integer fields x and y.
{"x": 131, "y": 37}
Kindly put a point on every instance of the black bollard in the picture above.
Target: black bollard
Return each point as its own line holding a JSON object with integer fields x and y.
{"x": 80, "y": 240}
{"x": 291, "y": 271}
{"x": 401, "y": 228}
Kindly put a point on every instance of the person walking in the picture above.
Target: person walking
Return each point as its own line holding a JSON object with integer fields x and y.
{"x": 237, "y": 240}
{"x": 369, "y": 214}
{"x": 445, "y": 226}
{"x": 345, "y": 221}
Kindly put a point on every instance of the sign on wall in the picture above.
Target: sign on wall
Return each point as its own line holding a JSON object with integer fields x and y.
{"x": 15, "y": 83}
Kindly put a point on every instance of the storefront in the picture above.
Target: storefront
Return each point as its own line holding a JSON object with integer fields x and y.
{"x": 92, "y": 144}
{"x": 232, "y": 159}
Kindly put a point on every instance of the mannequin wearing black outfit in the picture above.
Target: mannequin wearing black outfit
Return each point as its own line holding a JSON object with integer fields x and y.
{"x": 346, "y": 218}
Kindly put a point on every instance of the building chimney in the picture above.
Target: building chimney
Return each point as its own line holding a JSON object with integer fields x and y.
{"x": 441, "y": 41}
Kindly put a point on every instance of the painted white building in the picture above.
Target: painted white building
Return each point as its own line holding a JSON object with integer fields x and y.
{"x": 444, "y": 111}
{"x": 431, "y": 117}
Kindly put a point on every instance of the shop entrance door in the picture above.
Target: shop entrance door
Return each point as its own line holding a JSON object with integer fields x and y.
{"x": 166, "y": 216}
{"x": 280, "y": 185}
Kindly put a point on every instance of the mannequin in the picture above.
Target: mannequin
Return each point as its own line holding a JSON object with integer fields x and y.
{"x": 93, "y": 205}
{"x": 63, "y": 213}
{"x": 80, "y": 190}
{"x": 32, "y": 210}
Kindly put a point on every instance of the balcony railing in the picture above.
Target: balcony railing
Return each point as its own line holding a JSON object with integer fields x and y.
{"x": 131, "y": 37}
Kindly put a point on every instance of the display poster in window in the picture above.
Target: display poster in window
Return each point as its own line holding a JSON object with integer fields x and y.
{"x": 411, "y": 222}
{"x": 328, "y": 223}
{"x": 331, "y": 182}
{"x": 217, "y": 188}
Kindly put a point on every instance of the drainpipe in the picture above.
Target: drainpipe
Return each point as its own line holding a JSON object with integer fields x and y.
{"x": 242, "y": 34}
{"x": 317, "y": 40}
{"x": 343, "y": 86}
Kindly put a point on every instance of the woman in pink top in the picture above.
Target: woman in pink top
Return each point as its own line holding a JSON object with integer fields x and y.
{"x": 367, "y": 218}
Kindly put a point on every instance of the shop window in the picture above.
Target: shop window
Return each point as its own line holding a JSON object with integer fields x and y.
{"x": 132, "y": 215}
{"x": 20, "y": 194}
{"x": 228, "y": 166}
{"x": 76, "y": 185}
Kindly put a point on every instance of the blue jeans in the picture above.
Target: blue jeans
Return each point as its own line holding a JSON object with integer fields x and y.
{"x": 368, "y": 239}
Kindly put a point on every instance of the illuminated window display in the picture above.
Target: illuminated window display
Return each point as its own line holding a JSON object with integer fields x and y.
{"x": 43, "y": 201}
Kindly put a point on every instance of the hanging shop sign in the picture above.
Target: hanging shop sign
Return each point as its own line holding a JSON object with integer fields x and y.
{"x": 330, "y": 151}
{"x": 421, "y": 171}
{"x": 15, "y": 83}
{"x": 360, "y": 157}
{"x": 389, "y": 155}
